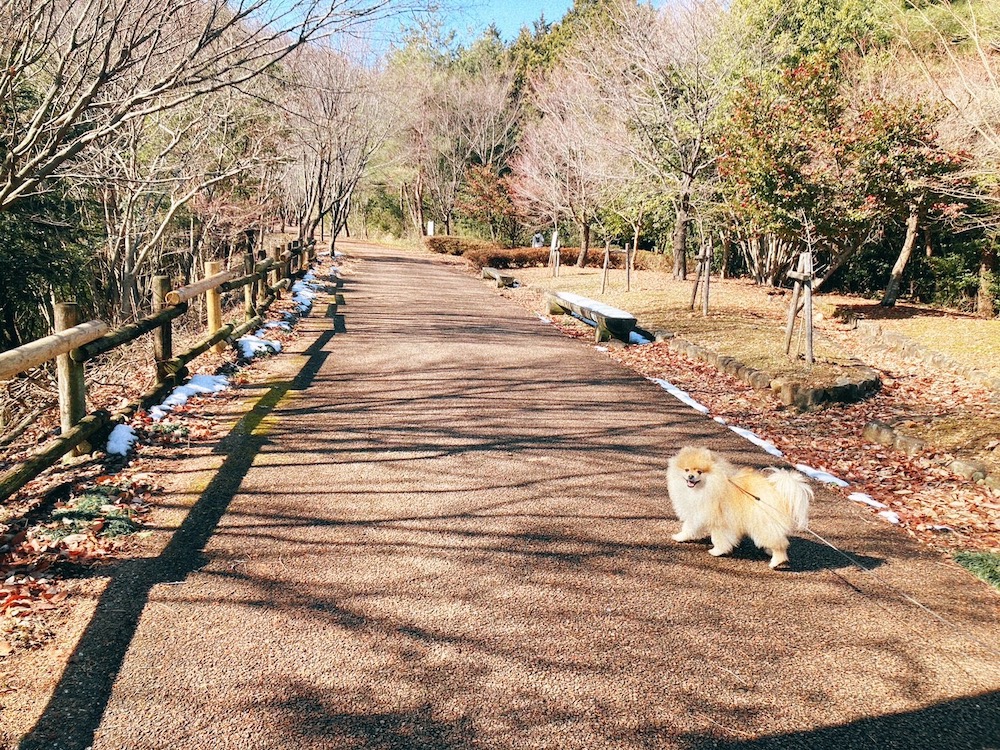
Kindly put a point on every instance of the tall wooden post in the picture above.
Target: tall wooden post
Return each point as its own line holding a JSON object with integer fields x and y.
{"x": 803, "y": 279}
{"x": 707, "y": 252}
{"x": 213, "y": 304}
{"x": 70, "y": 377}
{"x": 554, "y": 252}
{"x": 793, "y": 309}
{"x": 276, "y": 268}
{"x": 607, "y": 262}
{"x": 809, "y": 306}
{"x": 628, "y": 267}
{"x": 163, "y": 340}
{"x": 699, "y": 268}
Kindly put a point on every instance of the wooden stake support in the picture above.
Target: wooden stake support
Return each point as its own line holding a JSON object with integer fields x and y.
{"x": 703, "y": 274}
{"x": 803, "y": 278}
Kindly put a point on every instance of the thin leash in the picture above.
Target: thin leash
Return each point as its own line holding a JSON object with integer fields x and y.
{"x": 880, "y": 579}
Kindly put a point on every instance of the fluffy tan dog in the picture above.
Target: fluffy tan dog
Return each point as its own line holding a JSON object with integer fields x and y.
{"x": 714, "y": 498}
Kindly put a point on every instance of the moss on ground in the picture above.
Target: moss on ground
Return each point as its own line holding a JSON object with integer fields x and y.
{"x": 985, "y": 565}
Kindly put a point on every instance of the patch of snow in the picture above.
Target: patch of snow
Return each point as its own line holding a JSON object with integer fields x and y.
{"x": 756, "y": 440}
{"x": 544, "y": 319}
{"x": 721, "y": 420}
{"x": 890, "y": 515}
{"x": 680, "y": 395}
{"x": 207, "y": 383}
{"x": 820, "y": 476}
{"x": 121, "y": 440}
{"x": 303, "y": 296}
{"x": 601, "y": 348}
{"x": 251, "y": 346}
{"x": 861, "y": 497}
{"x": 281, "y": 325}
{"x": 941, "y": 528}
{"x": 197, "y": 385}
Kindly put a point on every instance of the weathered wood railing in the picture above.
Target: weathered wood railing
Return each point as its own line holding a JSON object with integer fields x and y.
{"x": 73, "y": 343}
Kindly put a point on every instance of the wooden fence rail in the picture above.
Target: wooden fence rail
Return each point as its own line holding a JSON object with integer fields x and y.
{"x": 78, "y": 343}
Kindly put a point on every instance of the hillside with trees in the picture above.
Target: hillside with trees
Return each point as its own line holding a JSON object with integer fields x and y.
{"x": 140, "y": 140}
{"x": 738, "y": 126}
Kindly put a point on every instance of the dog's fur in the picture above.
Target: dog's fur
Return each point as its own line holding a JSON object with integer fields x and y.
{"x": 714, "y": 498}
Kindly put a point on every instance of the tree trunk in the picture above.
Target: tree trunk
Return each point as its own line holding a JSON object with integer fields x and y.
{"x": 985, "y": 305}
{"x": 727, "y": 248}
{"x": 896, "y": 277}
{"x": 680, "y": 237}
{"x": 418, "y": 207}
{"x": 581, "y": 259}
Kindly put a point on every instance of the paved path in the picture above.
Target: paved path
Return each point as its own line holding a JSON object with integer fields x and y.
{"x": 451, "y": 531}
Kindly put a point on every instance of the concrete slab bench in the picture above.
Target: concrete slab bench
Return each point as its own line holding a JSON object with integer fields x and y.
{"x": 610, "y": 322}
{"x": 502, "y": 279}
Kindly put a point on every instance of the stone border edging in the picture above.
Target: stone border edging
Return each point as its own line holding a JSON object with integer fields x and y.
{"x": 887, "y": 435}
{"x": 846, "y": 389}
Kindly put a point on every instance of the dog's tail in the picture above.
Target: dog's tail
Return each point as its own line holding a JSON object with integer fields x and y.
{"x": 794, "y": 490}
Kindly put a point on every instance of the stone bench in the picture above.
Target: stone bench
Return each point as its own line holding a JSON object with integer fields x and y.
{"x": 610, "y": 322}
{"x": 502, "y": 279}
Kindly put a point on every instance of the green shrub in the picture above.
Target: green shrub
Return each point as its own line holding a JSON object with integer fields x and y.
{"x": 955, "y": 283}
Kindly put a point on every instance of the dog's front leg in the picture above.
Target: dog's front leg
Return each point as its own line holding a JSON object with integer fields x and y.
{"x": 689, "y": 532}
{"x": 722, "y": 543}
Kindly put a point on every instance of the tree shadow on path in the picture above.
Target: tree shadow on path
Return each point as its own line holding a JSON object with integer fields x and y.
{"x": 74, "y": 712}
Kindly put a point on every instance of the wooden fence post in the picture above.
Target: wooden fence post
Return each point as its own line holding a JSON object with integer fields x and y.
{"x": 249, "y": 291}
{"x": 213, "y": 304}
{"x": 276, "y": 268}
{"x": 70, "y": 377}
{"x": 163, "y": 339}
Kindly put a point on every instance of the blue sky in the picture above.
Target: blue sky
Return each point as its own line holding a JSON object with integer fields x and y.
{"x": 511, "y": 15}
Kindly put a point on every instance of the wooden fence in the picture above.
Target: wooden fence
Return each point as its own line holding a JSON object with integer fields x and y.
{"x": 75, "y": 342}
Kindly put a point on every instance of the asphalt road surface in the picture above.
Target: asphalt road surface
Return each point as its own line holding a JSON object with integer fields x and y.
{"x": 450, "y": 530}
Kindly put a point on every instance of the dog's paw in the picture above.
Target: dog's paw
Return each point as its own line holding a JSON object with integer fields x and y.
{"x": 778, "y": 561}
{"x": 719, "y": 551}
{"x": 683, "y": 536}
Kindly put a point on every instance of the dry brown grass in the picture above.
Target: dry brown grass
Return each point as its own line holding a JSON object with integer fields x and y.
{"x": 748, "y": 322}
{"x": 745, "y": 321}
{"x": 959, "y": 335}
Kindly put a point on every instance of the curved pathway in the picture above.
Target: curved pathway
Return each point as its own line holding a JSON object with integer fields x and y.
{"x": 450, "y": 530}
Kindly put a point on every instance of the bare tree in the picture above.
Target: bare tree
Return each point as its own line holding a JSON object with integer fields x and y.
{"x": 665, "y": 73}
{"x": 75, "y": 72}
{"x": 474, "y": 118}
{"x": 565, "y": 162}
{"x": 336, "y": 121}
{"x": 450, "y": 117}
